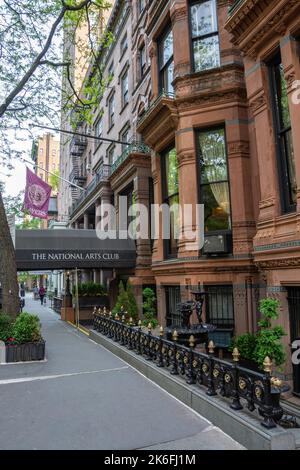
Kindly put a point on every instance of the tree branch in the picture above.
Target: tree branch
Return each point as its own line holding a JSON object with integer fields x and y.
{"x": 35, "y": 64}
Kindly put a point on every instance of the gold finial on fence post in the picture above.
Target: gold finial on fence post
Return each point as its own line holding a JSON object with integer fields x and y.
{"x": 192, "y": 341}
{"x": 123, "y": 318}
{"x": 236, "y": 355}
{"x": 110, "y": 314}
{"x": 130, "y": 321}
{"x": 149, "y": 328}
{"x": 161, "y": 331}
{"x": 211, "y": 347}
{"x": 117, "y": 317}
{"x": 95, "y": 311}
{"x": 267, "y": 365}
{"x": 99, "y": 311}
{"x": 276, "y": 382}
{"x": 140, "y": 324}
{"x": 175, "y": 336}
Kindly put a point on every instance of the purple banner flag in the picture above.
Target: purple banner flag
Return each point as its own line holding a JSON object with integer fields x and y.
{"x": 37, "y": 195}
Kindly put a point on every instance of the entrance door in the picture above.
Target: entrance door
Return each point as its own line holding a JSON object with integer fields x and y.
{"x": 172, "y": 300}
{"x": 294, "y": 312}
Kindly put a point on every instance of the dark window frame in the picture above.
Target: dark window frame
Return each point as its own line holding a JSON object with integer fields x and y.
{"x": 172, "y": 318}
{"x": 124, "y": 45}
{"x": 111, "y": 107}
{"x": 198, "y": 131}
{"x": 284, "y": 177}
{"x": 201, "y": 37}
{"x": 142, "y": 66}
{"x": 125, "y": 94}
{"x": 168, "y": 254}
{"x": 219, "y": 320}
{"x": 163, "y": 68}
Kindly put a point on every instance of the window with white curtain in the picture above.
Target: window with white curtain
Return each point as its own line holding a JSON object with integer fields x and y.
{"x": 214, "y": 181}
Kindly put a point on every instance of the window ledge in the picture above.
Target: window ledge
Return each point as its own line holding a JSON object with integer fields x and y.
{"x": 124, "y": 107}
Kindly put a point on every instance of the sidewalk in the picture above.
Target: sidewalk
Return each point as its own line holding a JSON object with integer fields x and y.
{"x": 84, "y": 397}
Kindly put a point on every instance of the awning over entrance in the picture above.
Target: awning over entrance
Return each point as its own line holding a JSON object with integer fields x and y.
{"x": 68, "y": 249}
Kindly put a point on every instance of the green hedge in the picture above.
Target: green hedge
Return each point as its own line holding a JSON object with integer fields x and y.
{"x": 25, "y": 329}
{"x": 90, "y": 289}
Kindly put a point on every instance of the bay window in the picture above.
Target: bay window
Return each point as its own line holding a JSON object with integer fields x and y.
{"x": 205, "y": 37}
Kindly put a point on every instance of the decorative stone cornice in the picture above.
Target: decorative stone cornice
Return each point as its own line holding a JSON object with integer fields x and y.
{"x": 256, "y": 21}
{"x": 207, "y": 100}
{"x": 210, "y": 81}
{"x": 178, "y": 13}
{"x": 278, "y": 263}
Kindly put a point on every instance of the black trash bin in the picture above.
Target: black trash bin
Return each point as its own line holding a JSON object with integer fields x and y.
{"x": 296, "y": 367}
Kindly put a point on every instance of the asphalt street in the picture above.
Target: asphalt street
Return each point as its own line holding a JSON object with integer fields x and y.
{"x": 84, "y": 397}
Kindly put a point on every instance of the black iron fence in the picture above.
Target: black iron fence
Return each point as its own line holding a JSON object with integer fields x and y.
{"x": 244, "y": 387}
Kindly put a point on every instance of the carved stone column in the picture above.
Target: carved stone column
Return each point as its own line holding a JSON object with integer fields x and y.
{"x": 290, "y": 60}
{"x": 181, "y": 36}
{"x": 258, "y": 91}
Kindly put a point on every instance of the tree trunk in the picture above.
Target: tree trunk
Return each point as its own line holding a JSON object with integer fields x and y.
{"x": 8, "y": 268}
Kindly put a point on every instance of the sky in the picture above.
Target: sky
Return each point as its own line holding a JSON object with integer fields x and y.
{"x": 16, "y": 181}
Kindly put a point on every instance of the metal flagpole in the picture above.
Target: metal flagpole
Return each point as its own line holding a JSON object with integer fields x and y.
{"x": 53, "y": 174}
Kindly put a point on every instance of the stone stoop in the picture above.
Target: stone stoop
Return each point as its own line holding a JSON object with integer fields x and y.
{"x": 243, "y": 426}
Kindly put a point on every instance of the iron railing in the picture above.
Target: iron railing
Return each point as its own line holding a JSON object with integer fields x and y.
{"x": 257, "y": 390}
{"x": 138, "y": 147}
{"x": 162, "y": 94}
{"x": 78, "y": 145}
{"x": 100, "y": 177}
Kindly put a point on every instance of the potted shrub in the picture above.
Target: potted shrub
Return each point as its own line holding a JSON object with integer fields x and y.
{"x": 254, "y": 348}
{"x": 22, "y": 338}
{"x": 126, "y": 302}
{"x": 91, "y": 294}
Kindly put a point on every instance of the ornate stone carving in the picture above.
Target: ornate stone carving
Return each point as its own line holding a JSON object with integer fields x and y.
{"x": 238, "y": 148}
{"x": 278, "y": 263}
{"x": 267, "y": 203}
{"x": 179, "y": 13}
{"x": 186, "y": 158}
{"x": 257, "y": 104}
{"x": 250, "y": 35}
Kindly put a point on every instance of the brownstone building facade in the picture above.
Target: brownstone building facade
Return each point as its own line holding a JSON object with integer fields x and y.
{"x": 213, "y": 120}
{"x": 199, "y": 117}
{"x": 270, "y": 47}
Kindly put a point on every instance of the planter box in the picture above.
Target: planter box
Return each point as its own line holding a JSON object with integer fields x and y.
{"x": 93, "y": 301}
{"x": 25, "y": 352}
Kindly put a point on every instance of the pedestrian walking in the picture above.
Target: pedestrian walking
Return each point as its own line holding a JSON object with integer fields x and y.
{"x": 42, "y": 292}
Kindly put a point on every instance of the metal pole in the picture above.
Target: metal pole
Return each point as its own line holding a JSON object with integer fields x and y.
{"x": 77, "y": 301}
{"x": 53, "y": 174}
{"x": 89, "y": 136}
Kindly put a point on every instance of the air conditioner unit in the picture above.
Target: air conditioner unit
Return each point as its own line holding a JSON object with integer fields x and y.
{"x": 217, "y": 244}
